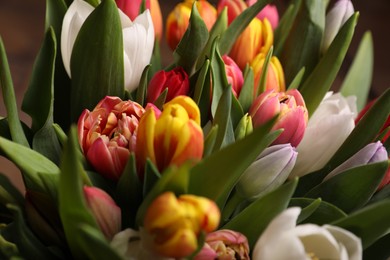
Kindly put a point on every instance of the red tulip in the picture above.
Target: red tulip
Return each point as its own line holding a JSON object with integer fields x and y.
{"x": 233, "y": 74}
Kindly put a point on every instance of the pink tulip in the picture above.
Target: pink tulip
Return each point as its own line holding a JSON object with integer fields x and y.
{"x": 104, "y": 209}
{"x": 292, "y": 112}
{"x": 107, "y": 135}
{"x": 269, "y": 11}
{"x": 234, "y": 8}
{"x": 176, "y": 81}
{"x": 233, "y": 74}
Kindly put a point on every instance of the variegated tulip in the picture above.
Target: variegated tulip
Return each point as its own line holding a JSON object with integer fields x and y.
{"x": 132, "y": 9}
{"x": 282, "y": 239}
{"x": 176, "y": 223}
{"x": 275, "y": 75}
{"x": 104, "y": 209}
{"x": 171, "y": 138}
{"x": 224, "y": 244}
{"x": 291, "y": 110}
{"x": 138, "y": 40}
{"x": 234, "y": 75}
{"x": 175, "y": 81}
{"x": 107, "y": 134}
{"x": 234, "y": 8}
{"x": 269, "y": 11}
{"x": 178, "y": 19}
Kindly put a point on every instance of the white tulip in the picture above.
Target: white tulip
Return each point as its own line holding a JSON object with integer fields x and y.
{"x": 282, "y": 240}
{"x": 138, "y": 40}
{"x": 326, "y": 130}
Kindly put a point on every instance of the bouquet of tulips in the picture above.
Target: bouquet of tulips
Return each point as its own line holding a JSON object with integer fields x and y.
{"x": 235, "y": 150}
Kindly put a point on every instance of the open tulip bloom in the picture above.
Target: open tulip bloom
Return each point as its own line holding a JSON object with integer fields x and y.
{"x": 235, "y": 148}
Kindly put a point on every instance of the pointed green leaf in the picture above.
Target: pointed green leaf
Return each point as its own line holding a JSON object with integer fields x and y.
{"x": 246, "y": 94}
{"x": 97, "y": 59}
{"x": 155, "y": 61}
{"x": 296, "y": 82}
{"x": 222, "y": 119}
{"x": 383, "y": 194}
{"x": 9, "y": 99}
{"x": 62, "y": 138}
{"x": 261, "y": 212}
{"x": 222, "y": 169}
{"x": 237, "y": 112}
{"x": 263, "y": 77}
{"x": 8, "y": 250}
{"x": 379, "y": 250}
{"x": 143, "y": 86}
{"x": 358, "y": 80}
{"x": 239, "y": 24}
{"x": 308, "y": 210}
{"x": 160, "y": 101}
{"x": 200, "y": 82}
{"x": 209, "y": 141}
{"x": 352, "y": 188}
{"x": 151, "y": 176}
{"x": 369, "y": 223}
{"x": 9, "y": 193}
{"x": 321, "y": 78}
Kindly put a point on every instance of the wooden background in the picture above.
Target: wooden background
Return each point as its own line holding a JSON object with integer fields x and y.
{"x": 22, "y": 25}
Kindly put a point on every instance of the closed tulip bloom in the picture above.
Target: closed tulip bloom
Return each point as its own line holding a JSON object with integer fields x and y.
{"x": 224, "y": 244}
{"x": 107, "y": 135}
{"x": 244, "y": 127}
{"x": 234, "y": 8}
{"x": 306, "y": 241}
{"x": 257, "y": 38}
{"x": 176, "y": 81}
{"x": 291, "y": 110}
{"x": 327, "y": 129}
{"x": 269, "y": 11}
{"x": 138, "y": 40}
{"x": 176, "y": 223}
{"x": 171, "y": 138}
{"x": 267, "y": 172}
{"x": 335, "y": 19}
{"x": 275, "y": 74}
{"x": 178, "y": 19}
{"x": 132, "y": 9}
{"x": 371, "y": 153}
{"x": 107, "y": 214}
{"x": 234, "y": 75}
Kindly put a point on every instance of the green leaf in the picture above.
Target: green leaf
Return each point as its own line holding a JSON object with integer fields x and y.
{"x": 9, "y": 99}
{"x": 302, "y": 46}
{"x": 209, "y": 141}
{"x": 39, "y": 173}
{"x": 263, "y": 77}
{"x": 55, "y": 12}
{"x": 296, "y": 82}
{"x": 222, "y": 119}
{"x": 155, "y": 61}
{"x": 9, "y": 193}
{"x": 324, "y": 213}
{"x": 201, "y": 82}
{"x": 143, "y": 86}
{"x": 72, "y": 205}
{"x": 369, "y": 223}
{"x": 237, "y": 112}
{"x": 160, "y": 101}
{"x": 39, "y": 100}
{"x": 97, "y": 59}
{"x": 321, "y": 78}
{"x": 8, "y": 250}
{"x": 151, "y": 176}
{"x": 308, "y": 210}
{"x": 239, "y": 24}
{"x": 94, "y": 3}
{"x": 246, "y": 94}
{"x": 222, "y": 169}
{"x": 358, "y": 80}
{"x": 192, "y": 42}
{"x": 264, "y": 210}
{"x": 352, "y": 188}
{"x": 383, "y": 194}
{"x": 379, "y": 250}
{"x": 62, "y": 138}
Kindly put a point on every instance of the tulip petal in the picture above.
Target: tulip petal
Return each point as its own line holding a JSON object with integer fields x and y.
{"x": 352, "y": 243}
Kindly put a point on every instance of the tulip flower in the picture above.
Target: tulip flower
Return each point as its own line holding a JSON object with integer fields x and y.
{"x": 335, "y": 19}
{"x": 107, "y": 135}
{"x": 234, "y": 75}
{"x": 275, "y": 75}
{"x": 371, "y": 153}
{"x": 104, "y": 209}
{"x": 224, "y": 244}
{"x": 270, "y": 170}
{"x": 178, "y": 19}
{"x": 306, "y": 241}
{"x": 176, "y": 81}
{"x": 292, "y": 112}
{"x": 138, "y": 40}
{"x": 327, "y": 129}
{"x": 175, "y": 224}
{"x": 269, "y": 11}
{"x": 234, "y": 8}
{"x": 132, "y": 9}
{"x": 171, "y": 138}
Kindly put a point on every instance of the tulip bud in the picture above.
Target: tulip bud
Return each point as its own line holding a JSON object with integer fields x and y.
{"x": 269, "y": 11}
{"x": 244, "y": 127}
{"x": 106, "y": 212}
{"x": 234, "y": 8}
{"x": 275, "y": 75}
{"x": 269, "y": 171}
{"x": 171, "y": 138}
{"x": 224, "y": 244}
{"x": 335, "y": 19}
{"x": 107, "y": 135}
{"x": 234, "y": 75}
{"x": 178, "y": 19}
{"x": 292, "y": 112}
{"x": 176, "y": 81}
{"x": 176, "y": 223}
{"x": 371, "y": 153}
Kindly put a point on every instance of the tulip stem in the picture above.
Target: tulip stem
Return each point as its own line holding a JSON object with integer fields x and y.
{"x": 231, "y": 205}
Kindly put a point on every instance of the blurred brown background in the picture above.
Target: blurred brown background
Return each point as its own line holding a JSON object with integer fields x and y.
{"x": 22, "y": 25}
